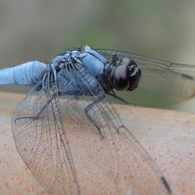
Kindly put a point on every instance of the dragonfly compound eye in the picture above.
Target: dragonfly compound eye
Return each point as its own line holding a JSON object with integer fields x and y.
{"x": 126, "y": 76}
{"x": 120, "y": 78}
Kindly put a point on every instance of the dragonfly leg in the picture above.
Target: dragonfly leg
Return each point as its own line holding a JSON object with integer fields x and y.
{"x": 40, "y": 112}
{"x": 45, "y": 105}
{"x": 89, "y": 107}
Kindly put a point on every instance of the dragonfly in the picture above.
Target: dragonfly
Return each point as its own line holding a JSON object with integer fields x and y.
{"x": 69, "y": 103}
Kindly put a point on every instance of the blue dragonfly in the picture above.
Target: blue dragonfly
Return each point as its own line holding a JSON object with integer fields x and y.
{"x": 69, "y": 97}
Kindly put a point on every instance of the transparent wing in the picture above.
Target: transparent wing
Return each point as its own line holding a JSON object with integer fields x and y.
{"x": 77, "y": 143}
{"x": 161, "y": 76}
{"x": 41, "y": 140}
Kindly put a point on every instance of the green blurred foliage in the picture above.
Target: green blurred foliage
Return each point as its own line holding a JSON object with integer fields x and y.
{"x": 37, "y": 30}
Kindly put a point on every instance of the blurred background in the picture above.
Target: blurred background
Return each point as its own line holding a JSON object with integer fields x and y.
{"x": 38, "y": 30}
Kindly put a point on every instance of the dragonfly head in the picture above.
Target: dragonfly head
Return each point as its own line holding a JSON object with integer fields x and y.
{"x": 126, "y": 75}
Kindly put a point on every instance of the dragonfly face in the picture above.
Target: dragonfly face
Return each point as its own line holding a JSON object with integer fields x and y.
{"x": 126, "y": 75}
